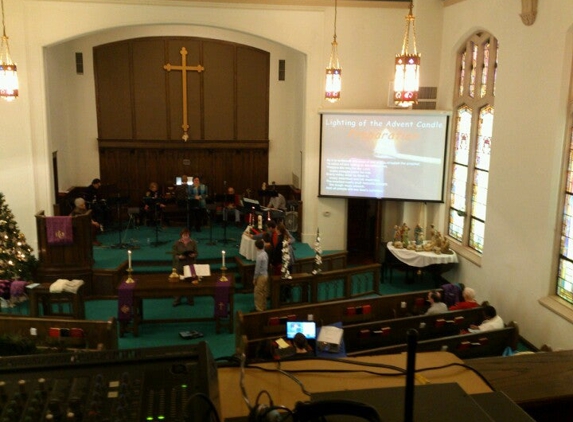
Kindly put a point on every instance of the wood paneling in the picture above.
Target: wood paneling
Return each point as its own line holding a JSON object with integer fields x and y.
{"x": 138, "y": 99}
{"x": 140, "y": 114}
{"x": 132, "y": 169}
{"x": 149, "y": 95}
{"x": 219, "y": 82}
{"x": 252, "y": 96}
{"x": 113, "y": 95}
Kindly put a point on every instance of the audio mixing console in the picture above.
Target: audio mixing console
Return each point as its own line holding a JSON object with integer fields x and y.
{"x": 178, "y": 384}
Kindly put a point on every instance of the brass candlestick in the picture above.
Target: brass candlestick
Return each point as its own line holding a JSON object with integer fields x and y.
{"x": 174, "y": 276}
{"x": 129, "y": 279}
{"x": 223, "y": 276}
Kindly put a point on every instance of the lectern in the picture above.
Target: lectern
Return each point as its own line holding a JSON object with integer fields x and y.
{"x": 73, "y": 260}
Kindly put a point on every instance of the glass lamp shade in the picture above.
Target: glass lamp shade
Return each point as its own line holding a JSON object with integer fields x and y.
{"x": 407, "y": 80}
{"x": 8, "y": 73}
{"x": 333, "y": 84}
{"x": 333, "y": 76}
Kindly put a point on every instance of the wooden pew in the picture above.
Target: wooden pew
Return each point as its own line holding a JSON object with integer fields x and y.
{"x": 270, "y": 324}
{"x": 464, "y": 346}
{"x": 96, "y": 335}
{"x": 376, "y": 334}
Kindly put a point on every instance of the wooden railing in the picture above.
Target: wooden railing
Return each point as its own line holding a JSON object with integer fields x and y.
{"x": 330, "y": 262}
{"x": 326, "y": 286}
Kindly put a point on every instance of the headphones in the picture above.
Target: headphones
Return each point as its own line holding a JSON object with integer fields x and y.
{"x": 265, "y": 413}
{"x": 312, "y": 411}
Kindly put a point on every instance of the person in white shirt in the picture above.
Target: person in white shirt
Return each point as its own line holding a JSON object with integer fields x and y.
{"x": 436, "y": 304}
{"x": 278, "y": 202}
{"x": 492, "y": 320}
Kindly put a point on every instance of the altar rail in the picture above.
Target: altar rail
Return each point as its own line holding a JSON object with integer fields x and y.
{"x": 77, "y": 334}
{"x": 330, "y": 262}
{"x": 326, "y": 286}
{"x": 271, "y": 324}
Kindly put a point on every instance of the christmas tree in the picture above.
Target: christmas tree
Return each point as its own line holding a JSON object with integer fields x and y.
{"x": 16, "y": 259}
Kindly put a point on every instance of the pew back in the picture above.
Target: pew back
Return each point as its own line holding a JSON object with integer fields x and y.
{"x": 464, "y": 346}
{"x": 272, "y": 323}
{"x": 376, "y": 334}
{"x": 65, "y": 333}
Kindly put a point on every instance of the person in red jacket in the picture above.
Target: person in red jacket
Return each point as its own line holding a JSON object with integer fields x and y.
{"x": 469, "y": 301}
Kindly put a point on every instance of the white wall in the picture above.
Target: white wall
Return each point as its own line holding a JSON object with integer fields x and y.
{"x": 519, "y": 257}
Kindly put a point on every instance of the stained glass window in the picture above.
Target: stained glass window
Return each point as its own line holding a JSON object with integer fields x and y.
{"x": 473, "y": 129}
{"x": 565, "y": 274}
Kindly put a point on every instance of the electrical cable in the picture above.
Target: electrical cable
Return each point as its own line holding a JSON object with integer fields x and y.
{"x": 242, "y": 382}
{"x": 207, "y": 400}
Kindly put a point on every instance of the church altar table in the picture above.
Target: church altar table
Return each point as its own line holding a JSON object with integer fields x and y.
{"x": 247, "y": 248}
{"x": 158, "y": 286}
{"x": 422, "y": 259}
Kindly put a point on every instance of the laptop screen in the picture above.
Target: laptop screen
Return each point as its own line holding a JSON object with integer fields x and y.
{"x": 308, "y": 328}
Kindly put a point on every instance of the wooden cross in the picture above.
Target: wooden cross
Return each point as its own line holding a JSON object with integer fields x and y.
{"x": 184, "y": 68}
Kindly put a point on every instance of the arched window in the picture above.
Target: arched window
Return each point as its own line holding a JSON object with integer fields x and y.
{"x": 473, "y": 123}
{"x": 565, "y": 269}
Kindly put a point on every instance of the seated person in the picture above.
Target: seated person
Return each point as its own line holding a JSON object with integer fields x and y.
{"x": 277, "y": 202}
{"x": 469, "y": 301}
{"x": 183, "y": 191}
{"x": 153, "y": 204}
{"x": 436, "y": 304}
{"x": 492, "y": 321}
{"x": 80, "y": 209}
{"x": 231, "y": 206}
{"x": 95, "y": 201}
{"x": 301, "y": 346}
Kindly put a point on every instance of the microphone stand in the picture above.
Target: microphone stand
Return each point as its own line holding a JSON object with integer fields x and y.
{"x": 211, "y": 241}
{"x": 120, "y": 244}
{"x": 156, "y": 205}
{"x": 225, "y": 214}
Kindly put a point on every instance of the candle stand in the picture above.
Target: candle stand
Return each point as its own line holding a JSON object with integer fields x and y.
{"x": 129, "y": 279}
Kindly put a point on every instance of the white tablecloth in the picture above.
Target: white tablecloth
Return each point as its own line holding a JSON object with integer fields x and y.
{"x": 422, "y": 259}
{"x": 247, "y": 248}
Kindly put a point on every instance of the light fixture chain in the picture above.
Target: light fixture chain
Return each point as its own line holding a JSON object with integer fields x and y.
{"x": 335, "y": 14}
{"x": 3, "y": 24}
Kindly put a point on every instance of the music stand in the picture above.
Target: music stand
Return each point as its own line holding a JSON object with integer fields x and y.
{"x": 266, "y": 193}
{"x": 211, "y": 241}
{"x": 119, "y": 200}
{"x": 155, "y": 203}
{"x": 224, "y": 200}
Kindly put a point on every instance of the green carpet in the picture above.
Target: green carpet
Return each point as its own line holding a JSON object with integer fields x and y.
{"x": 151, "y": 246}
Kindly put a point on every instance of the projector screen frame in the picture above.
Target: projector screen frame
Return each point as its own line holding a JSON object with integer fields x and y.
{"x": 435, "y": 122}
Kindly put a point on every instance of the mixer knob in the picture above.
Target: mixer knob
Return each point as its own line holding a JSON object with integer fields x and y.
{"x": 3, "y": 394}
{"x": 55, "y": 407}
{"x": 22, "y": 386}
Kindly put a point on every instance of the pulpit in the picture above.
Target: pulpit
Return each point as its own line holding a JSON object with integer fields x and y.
{"x": 72, "y": 259}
